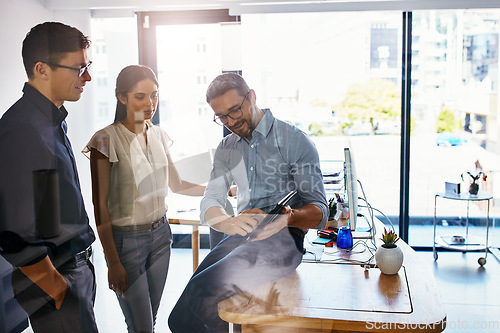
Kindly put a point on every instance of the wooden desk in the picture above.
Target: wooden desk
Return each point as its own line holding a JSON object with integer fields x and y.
{"x": 332, "y": 297}
{"x": 191, "y": 218}
{"x": 183, "y": 210}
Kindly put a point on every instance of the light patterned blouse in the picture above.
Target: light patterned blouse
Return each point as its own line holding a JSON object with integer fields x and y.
{"x": 139, "y": 178}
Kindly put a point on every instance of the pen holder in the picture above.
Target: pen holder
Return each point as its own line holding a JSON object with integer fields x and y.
{"x": 344, "y": 238}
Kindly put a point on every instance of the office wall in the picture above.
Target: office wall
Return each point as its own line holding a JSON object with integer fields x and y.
{"x": 17, "y": 17}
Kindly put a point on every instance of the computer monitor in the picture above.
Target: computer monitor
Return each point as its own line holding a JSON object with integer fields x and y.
{"x": 351, "y": 186}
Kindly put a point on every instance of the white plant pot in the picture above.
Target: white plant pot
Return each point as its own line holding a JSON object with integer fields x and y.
{"x": 389, "y": 259}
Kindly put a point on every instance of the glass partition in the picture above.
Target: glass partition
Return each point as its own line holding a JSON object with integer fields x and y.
{"x": 334, "y": 75}
{"x": 454, "y": 117}
{"x": 337, "y": 76}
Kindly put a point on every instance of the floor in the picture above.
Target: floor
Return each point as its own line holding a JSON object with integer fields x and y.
{"x": 181, "y": 268}
{"x": 471, "y": 293}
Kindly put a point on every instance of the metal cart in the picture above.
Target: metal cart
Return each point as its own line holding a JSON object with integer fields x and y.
{"x": 469, "y": 242}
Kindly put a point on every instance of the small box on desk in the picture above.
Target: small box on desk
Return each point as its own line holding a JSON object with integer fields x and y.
{"x": 452, "y": 188}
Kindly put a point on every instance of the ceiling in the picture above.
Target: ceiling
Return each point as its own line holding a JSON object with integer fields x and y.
{"x": 237, "y": 7}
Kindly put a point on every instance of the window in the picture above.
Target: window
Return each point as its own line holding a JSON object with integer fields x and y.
{"x": 452, "y": 104}
{"x": 310, "y": 70}
{"x": 337, "y": 76}
{"x": 115, "y": 48}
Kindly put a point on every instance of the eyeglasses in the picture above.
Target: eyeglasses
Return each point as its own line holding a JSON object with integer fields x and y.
{"x": 81, "y": 70}
{"x": 235, "y": 114}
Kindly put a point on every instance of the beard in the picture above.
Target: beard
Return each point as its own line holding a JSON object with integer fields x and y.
{"x": 251, "y": 122}
{"x": 238, "y": 128}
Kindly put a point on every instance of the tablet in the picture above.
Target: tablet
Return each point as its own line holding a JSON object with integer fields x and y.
{"x": 273, "y": 214}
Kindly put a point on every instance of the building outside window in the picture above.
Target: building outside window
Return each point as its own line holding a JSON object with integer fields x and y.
{"x": 337, "y": 76}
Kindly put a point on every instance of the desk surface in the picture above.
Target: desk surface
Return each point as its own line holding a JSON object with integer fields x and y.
{"x": 326, "y": 297}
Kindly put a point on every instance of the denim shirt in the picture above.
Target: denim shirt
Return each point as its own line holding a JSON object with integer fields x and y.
{"x": 33, "y": 137}
{"x": 279, "y": 158}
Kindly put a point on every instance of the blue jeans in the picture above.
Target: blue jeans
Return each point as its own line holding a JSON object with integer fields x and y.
{"x": 232, "y": 267}
{"x": 76, "y": 313}
{"x": 145, "y": 255}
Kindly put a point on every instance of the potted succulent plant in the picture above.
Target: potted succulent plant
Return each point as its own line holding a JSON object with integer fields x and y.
{"x": 389, "y": 256}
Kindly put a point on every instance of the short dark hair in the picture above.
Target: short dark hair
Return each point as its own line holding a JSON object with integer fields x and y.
{"x": 126, "y": 81}
{"x": 49, "y": 42}
{"x": 225, "y": 82}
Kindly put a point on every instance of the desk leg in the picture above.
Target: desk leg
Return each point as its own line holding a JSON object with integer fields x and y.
{"x": 195, "y": 245}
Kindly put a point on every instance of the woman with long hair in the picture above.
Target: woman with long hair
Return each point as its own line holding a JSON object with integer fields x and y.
{"x": 131, "y": 171}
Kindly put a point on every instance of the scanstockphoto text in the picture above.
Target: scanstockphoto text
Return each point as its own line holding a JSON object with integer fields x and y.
{"x": 461, "y": 325}
{"x": 307, "y": 184}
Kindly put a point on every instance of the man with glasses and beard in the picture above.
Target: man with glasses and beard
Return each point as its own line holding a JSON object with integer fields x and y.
{"x": 55, "y": 286}
{"x": 266, "y": 158}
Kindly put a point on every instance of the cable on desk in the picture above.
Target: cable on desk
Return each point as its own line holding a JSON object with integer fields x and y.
{"x": 390, "y": 222}
{"x": 373, "y": 229}
{"x": 350, "y": 261}
{"x": 351, "y": 249}
{"x": 371, "y": 208}
{"x": 369, "y": 244}
{"x": 347, "y": 261}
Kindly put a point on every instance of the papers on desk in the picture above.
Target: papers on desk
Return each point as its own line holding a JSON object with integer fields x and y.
{"x": 313, "y": 254}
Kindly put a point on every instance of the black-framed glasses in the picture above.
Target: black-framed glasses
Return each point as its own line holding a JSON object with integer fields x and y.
{"x": 80, "y": 70}
{"x": 235, "y": 114}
